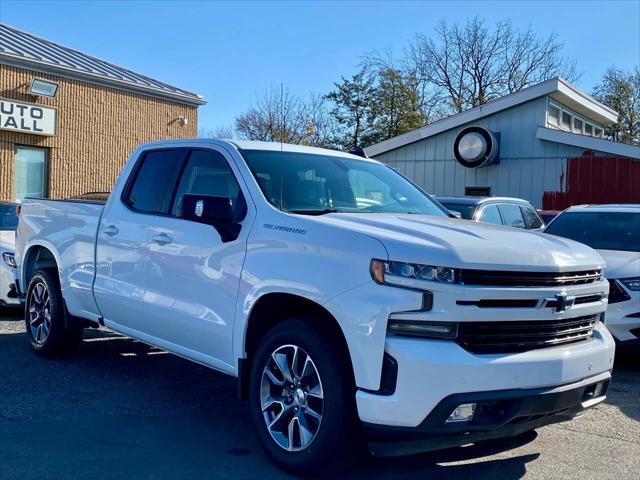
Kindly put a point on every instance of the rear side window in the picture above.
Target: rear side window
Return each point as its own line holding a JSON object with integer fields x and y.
{"x": 511, "y": 215}
{"x": 154, "y": 181}
{"x": 207, "y": 173}
{"x": 532, "y": 218}
{"x": 490, "y": 214}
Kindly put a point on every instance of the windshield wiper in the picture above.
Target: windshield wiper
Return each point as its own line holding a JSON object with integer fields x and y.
{"x": 314, "y": 211}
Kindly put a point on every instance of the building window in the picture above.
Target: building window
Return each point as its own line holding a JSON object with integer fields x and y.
{"x": 32, "y": 172}
{"x": 588, "y": 129}
{"x": 577, "y": 125}
{"x": 554, "y": 116}
{"x": 559, "y": 117}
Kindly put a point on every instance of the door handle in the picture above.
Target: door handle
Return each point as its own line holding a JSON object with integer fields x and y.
{"x": 162, "y": 238}
{"x": 111, "y": 230}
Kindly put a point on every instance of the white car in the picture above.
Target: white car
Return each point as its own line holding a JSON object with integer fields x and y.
{"x": 8, "y": 225}
{"x": 614, "y": 231}
{"x": 345, "y": 300}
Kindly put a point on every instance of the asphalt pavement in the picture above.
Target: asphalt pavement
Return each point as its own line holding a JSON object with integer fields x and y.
{"x": 119, "y": 409}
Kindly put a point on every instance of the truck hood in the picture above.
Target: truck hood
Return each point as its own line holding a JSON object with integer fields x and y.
{"x": 449, "y": 242}
{"x": 621, "y": 264}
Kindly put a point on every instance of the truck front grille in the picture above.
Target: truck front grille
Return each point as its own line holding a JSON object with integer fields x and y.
{"x": 528, "y": 279}
{"x": 521, "y": 336}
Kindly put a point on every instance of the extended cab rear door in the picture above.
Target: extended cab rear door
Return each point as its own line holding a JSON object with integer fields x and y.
{"x": 122, "y": 262}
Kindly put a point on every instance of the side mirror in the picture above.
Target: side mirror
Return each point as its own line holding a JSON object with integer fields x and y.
{"x": 454, "y": 214}
{"x": 207, "y": 209}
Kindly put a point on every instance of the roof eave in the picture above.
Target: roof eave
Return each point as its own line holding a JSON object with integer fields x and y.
{"x": 554, "y": 86}
{"x": 590, "y": 143}
{"x": 584, "y": 104}
{"x": 88, "y": 77}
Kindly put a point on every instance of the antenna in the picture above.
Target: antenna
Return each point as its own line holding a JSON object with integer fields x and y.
{"x": 282, "y": 130}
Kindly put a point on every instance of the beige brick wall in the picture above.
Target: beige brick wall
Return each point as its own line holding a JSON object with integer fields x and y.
{"x": 98, "y": 127}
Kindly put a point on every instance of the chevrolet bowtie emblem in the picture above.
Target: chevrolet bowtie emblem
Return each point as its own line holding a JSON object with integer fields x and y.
{"x": 560, "y": 302}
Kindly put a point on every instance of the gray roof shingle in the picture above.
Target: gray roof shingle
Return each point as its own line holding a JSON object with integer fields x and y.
{"x": 22, "y": 49}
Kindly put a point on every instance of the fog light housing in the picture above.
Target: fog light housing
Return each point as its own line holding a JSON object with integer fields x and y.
{"x": 462, "y": 413}
{"x": 418, "y": 328}
{"x": 599, "y": 388}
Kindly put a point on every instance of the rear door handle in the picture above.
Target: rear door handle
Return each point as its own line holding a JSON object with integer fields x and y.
{"x": 162, "y": 238}
{"x": 111, "y": 230}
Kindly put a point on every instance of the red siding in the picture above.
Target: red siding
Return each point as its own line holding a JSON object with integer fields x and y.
{"x": 592, "y": 179}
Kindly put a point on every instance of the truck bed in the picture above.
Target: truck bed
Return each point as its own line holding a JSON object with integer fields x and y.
{"x": 67, "y": 229}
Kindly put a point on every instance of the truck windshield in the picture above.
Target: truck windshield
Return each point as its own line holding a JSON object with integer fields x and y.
{"x": 316, "y": 184}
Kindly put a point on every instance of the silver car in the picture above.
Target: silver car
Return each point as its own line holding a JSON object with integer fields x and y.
{"x": 8, "y": 224}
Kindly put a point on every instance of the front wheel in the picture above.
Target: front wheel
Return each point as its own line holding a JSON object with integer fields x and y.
{"x": 302, "y": 399}
{"x": 45, "y": 317}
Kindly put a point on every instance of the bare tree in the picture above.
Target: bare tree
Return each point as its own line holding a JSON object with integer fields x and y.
{"x": 471, "y": 64}
{"x": 280, "y": 116}
{"x": 218, "y": 132}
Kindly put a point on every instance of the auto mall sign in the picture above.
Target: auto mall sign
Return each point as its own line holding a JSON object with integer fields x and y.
{"x": 27, "y": 117}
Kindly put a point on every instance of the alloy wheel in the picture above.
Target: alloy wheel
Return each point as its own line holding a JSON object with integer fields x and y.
{"x": 291, "y": 398}
{"x": 40, "y": 313}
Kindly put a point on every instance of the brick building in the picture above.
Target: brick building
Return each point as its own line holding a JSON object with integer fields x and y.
{"x": 68, "y": 121}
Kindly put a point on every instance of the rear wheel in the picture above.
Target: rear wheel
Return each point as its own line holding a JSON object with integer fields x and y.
{"x": 45, "y": 317}
{"x": 302, "y": 399}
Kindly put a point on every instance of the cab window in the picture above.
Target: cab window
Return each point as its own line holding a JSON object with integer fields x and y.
{"x": 207, "y": 173}
{"x": 154, "y": 180}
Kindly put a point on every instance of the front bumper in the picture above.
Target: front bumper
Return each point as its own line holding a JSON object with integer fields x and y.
{"x": 503, "y": 413}
{"x": 429, "y": 371}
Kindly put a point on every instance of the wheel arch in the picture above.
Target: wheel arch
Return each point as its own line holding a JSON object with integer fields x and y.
{"x": 36, "y": 258}
{"x": 261, "y": 319}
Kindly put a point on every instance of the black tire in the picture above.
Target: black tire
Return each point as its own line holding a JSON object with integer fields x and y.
{"x": 45, "y": 315}
{"x": 336, "y": 444}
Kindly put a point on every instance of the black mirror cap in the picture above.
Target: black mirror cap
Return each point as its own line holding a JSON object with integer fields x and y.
{"x": 207, "y": 208}
{"x": 359, "y": 151}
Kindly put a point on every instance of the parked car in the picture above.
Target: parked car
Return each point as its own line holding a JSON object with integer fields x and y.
{"x": 512, "y": 212}
{"x": 343, "y": 297}
{"x": 614, "y": 231}
{"x": 548, "y": 215}
{"x": 8, "y": 225}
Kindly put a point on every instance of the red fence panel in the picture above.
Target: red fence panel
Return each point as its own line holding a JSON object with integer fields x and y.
{"x": 593, "y": 179}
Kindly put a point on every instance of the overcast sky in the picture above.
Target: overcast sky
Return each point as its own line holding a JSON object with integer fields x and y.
{"x": 231, "y": 51}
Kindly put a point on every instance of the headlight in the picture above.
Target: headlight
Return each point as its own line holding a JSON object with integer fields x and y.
{"x": 383, "y": 271}
{"x": 9, "y": 259}
{"x": 632, "y": 283}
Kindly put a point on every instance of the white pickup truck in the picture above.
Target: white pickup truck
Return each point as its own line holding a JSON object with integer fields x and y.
{"x": 346, "y": 301}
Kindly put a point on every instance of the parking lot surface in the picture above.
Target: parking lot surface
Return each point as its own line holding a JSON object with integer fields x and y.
{"x": 120, "y": 409}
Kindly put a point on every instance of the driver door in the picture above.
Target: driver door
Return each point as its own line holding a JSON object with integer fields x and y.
{"x": 194, "y": 286}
